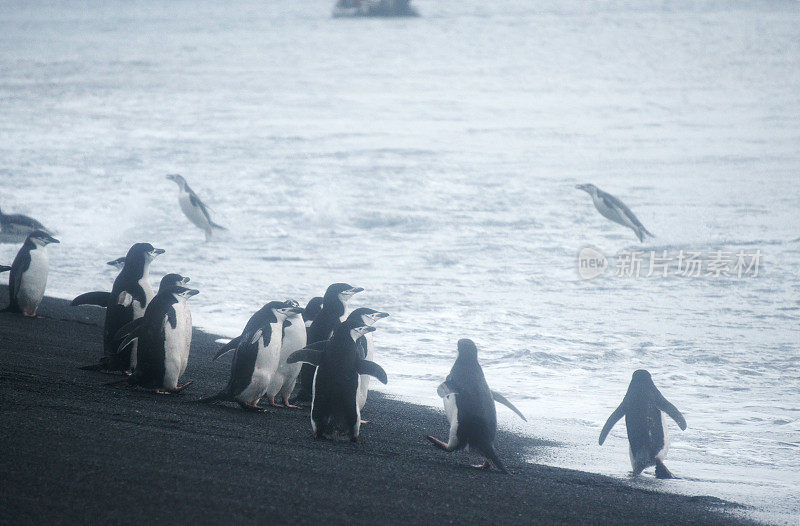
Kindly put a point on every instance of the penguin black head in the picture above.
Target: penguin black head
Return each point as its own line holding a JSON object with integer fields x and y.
{"x": 588, "y": 187}
{"x": 282, "y": 310}
{"x": 41, "y": 238}
{"x": 340, "y": 291}
{"x": 313, "y": 308}
{"x": 291, "y": 303}
{"x": 641, "y": 381}
{"x": 364, "y": 316}
{"x": 358, "y": 332}
{"x": 144, "y": 251}
{"x": 178, "y": 179}
{"x": 173, "y": 280}
{"x": 467, "y": 349}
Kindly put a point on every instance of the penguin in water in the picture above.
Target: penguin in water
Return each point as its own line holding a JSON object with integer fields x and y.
{"x": 338, "y": 365}
{"x": 28, "y": 277}
{"x": 193, "y": 208}
{"x": 612, "y": 208}
{"x": 469, "y": 405}
{"x": 127, "y": 302}
{"x": 332, "y": 314}
{"x": 257, "y": 356}
{"x": 117, "y": 263}
{"x": 366, "y": 349}
{"x": 164, "y": 337}
{"x": 17, "y": 227}
{"x": 648, "y": 437}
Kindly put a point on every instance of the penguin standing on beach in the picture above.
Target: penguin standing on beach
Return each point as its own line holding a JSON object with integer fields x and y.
{"x": 648, "y": 437}
{"x": 469, "y": 405}
{"x": 127, "y": 301}
{"x": 164, "y": 336}
{"x": 193, "y": 208}
{"x": 257, "y": 356}
{"x": 366, "y": 349}
{"x": 294, "y": 338}
{"x": 612, "y": 208}
{"x": 17, "y": 227}
{"x": 28, "y": 277}
{"x": 338, "y": 363}
{"x": 332, "y": 314}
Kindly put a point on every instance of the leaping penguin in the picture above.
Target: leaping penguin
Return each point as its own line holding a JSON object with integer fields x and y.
{"x": 193, "y": 208}
{"x": 338, "y": 363}
{"x": 648, "y": 437}
{"x": 332, "y": 314}
{"x": 612, "y": 208}
{"x": 28, "y": 277}
{"x": 469, "y": 405}
{"x": 17, "y": 227}
{"x": 164, "y": 336}
{"x": 257, "y": 356}
{"x": 127, "y": 301}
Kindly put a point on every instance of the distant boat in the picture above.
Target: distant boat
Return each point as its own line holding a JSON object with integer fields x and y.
{"x": 354, "y": 8}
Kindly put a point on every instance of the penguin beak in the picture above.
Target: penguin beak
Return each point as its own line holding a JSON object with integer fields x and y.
{"x": 158, "y": 251}
{"x": 185, "y": 280}
{"x": 354, "y": 290}
{"x": 171, "y": 177}
{"x": 51, "y": 239}
{"x": 580, "y": 186}
{"x": 192, "y": 292}
{"x": 365, "y": 329}
{"x": 380, "y": 315}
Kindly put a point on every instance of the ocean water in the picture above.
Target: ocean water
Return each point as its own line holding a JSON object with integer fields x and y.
{"x": 433, "y": 161}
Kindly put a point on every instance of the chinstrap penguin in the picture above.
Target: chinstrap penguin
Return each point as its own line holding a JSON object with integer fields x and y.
{"x": 469, "y": 405}
{"x": 28, "y": 278}
{"x": 612, "y": 208}
{"x": 366, "y": 348}
{"x": 648, "y": 436}
{"x": 257, "y": 356}
{"x": 193, "y": 208}
{"x": 164, "y": 336}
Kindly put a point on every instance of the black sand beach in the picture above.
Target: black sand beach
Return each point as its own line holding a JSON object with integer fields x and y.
{"x": 75, "y": 450}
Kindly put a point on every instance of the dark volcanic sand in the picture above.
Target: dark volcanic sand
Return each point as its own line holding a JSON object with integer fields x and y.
{"x": 75, "y": 450}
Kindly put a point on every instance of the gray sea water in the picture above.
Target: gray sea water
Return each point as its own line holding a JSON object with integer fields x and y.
{"x": 433, "y": 162}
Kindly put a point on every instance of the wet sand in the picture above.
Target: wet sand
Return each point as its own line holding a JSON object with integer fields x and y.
{"x": 76, "y": 450}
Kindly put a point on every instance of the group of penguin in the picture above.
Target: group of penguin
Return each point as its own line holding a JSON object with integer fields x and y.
{"x": 147, "y": 337}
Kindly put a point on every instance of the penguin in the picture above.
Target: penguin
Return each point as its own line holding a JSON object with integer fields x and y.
{"x": 332, "y": 314}
{"x": 469, "y": 405}
{"x": 612, "y": 208}
{"x": 257, "y": 356}
{"x": 338, "y": 365}
{"x": 127, "y": 301}
{"x": 648, "y": 437}
{"x": 17, "y": 227}
{"x": 164, "y": 336}
{"x": 28, "y": 277}
{"x": 193, "y": 208}
{"x": 311, "y": 311}
{"x": 294, "y": 339}
{"x": 117, "y": 263}
{"x": 366, "y": 350}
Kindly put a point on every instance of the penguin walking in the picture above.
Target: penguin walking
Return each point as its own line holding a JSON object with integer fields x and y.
{"x": 17, "y": 227}
{"x": 257, "y": 356}
{"x": 366, "y": 350}
{"x": 127, "y": 301}
{"x": 612, "y": 208}
{"x": 28, "y": 278}
{"x": 469, "y": 405}
{"x": 648, "y": 437}
{"x": 193, "y": 208}
{"x": 164, "y": 336}
{"x": 332, "y": 314}
{"x": 338, "y": 363}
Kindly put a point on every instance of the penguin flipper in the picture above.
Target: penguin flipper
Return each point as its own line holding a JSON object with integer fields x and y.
{"x": 307, "y": 355}
{"x": 444, "y": 389}
{"x": 503, "y": 400}
{"x": 372, "y": 369}
{"x": 664, "y": 405}
{"x": 618, "y": 413}
{"x": 129, "y": 328}
{"x": 4, "y": 268}
{"x": 92, "y": 298}
{"x": 228, "y": 347}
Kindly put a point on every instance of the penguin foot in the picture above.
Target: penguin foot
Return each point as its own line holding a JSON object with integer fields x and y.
{"x": 364, "y": 421}
{"x": 255, "y": 408}
{"x": 662, "y": 472}
{"x": 438, "y": 443}
{"x": 292, "y": 406}
{"x": 485, "y": 465}
{"x": 182, "y": 387}
{"x": 273, "y": 403}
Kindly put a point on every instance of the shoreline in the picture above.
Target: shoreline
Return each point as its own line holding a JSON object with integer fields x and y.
{"x": 77, "y": 450}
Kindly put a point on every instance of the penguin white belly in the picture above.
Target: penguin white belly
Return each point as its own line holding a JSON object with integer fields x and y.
{"x": 662, "y": 453}
{"x": 33, "y": 281}
{"x": 363, "y": 379}
{"x": 193, "y": 213}
{"x": 174, "y": 344}
{"x": 138, "y": 312}
{"x": 187, "y": 337}
{"x": 451, "y": 410}
{"x": 294, "y": 339}
{"x": 263, "y": 370}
